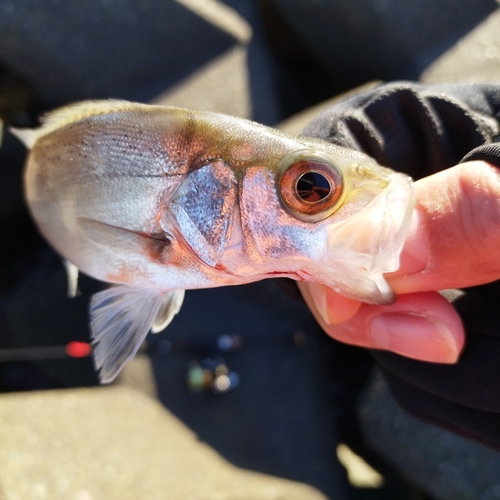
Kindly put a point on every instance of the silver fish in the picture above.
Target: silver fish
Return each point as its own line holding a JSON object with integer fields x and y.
{"x": 157, "y": 200}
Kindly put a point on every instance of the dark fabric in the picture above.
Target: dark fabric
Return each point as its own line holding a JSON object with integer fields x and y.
{"x": 487, "y": 152}
{"x": 421, "y": 130}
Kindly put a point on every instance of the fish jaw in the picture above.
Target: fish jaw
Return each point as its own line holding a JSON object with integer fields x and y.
{"x": 368, "y": 244}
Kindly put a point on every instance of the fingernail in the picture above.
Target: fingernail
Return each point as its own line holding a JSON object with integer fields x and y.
{"x": 419, "y": 337}
{"x": 318, "y": 294}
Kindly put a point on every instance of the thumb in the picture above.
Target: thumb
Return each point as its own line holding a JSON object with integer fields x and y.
{"x": 455, "y": 236}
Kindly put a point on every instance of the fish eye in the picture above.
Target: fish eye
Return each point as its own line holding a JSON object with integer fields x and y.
{"x": 313, "y": 186}
{"x": 310, "y": 185}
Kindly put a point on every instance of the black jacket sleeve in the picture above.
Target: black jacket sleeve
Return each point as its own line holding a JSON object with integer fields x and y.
{"x": 421, "y": 130}
{"x": 487, "y": 152}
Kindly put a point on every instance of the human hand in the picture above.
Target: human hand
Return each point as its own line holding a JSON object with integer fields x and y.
{"x": 454, "y": 242}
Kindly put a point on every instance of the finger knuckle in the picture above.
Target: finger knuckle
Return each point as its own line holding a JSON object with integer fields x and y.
{"x": 479, "y": 205}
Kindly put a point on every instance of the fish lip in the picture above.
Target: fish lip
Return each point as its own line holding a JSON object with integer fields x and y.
{"x": 254, "y": 277}
{"x": 294, "y": 275}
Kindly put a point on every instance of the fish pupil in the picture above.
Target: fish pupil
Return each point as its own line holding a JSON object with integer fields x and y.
{"x": 313, "y": 187}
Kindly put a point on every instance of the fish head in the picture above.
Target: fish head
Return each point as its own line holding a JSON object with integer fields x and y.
{"x": 310, "y": 211}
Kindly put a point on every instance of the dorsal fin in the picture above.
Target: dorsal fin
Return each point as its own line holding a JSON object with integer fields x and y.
{"x": 69, "y": 114}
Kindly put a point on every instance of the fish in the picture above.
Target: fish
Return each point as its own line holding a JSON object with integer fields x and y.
{"x": 156, "y": 200}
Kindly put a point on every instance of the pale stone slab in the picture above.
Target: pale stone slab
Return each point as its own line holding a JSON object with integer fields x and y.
{"x": 475, "y": 58}
{"x": 98, "y": 49}
{"x": 220, "y": 86}
{"x": 116, "y": 443}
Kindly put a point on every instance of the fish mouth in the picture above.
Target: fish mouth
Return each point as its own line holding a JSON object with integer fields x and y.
{"x": 365, "y": 246}
{"x": 293, "y": 275}
{"x": 296, "y": 276}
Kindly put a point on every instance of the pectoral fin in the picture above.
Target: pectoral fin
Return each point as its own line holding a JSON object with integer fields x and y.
{"x": 121, "y": 317}
{"x": 170, "y": 306}
{"x": 72, "y": 275}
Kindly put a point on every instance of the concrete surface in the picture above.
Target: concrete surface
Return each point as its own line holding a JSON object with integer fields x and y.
{"x": 116, "y": 443}
{"x": 475, "y": 58}
{"x": 280, "y": 418}
{"x": 94, "y": 49}
{"x": 441, "y": 463}
{"x": 365, "y": 40}
{"x": 222, "y": 85}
